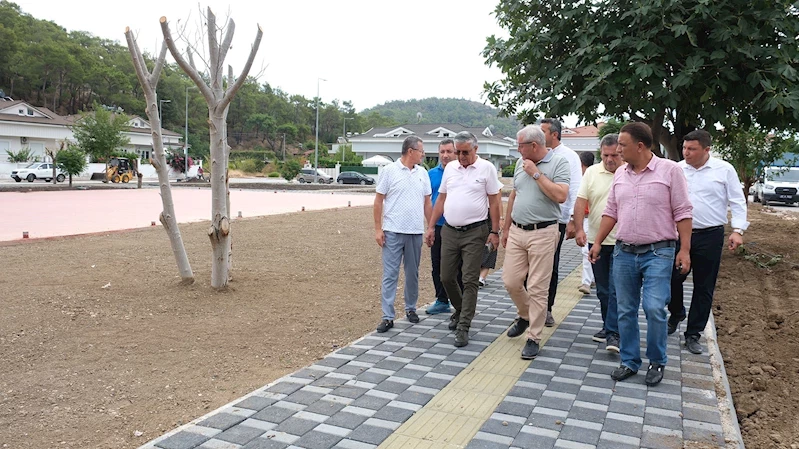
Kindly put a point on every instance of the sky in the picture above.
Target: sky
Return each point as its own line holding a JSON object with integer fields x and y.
{"x": 369, "y": 52}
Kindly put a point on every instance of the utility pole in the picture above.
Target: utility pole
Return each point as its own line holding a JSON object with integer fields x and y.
{"x": 316, "y": 149}
{"x": 344, "y": 148}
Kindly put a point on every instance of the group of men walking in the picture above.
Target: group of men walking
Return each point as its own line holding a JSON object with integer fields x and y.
{"x": 647, "y": 221}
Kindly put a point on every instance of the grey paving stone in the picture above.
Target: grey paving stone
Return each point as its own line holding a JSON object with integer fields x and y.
{"x": 370, "y": 434}
{"x": 304, "y": 397}
{"x": 332, "y": 362}
{"x": 349, "y": 350}
{"x": 296, "y": 426}
{"x": 579, "y": 434}
{"x": 546, "y": 421}
{"x": 390, "y": 365}
{"x": 273, "y": 414}
{"x": 555, "y": 403}
{"x": 240, "y": 434}
{"x": 350, "y": 369}
{"x": 501, "y": 427}
{"x": 348, "y": 391}
{"x": 485, "y": 444}
{"x": 317, "y": 440}
{"x": 373, "y": 378}
{"x": 431, "y": 362}
{"x": 346, "y": 420}
{"x": 703, "y": 436}
{"x": 587, "y": 414}
{"x": 607, "y": 444}
{"x": 569, "y": 373}
{"x": 421, "y": 344}
{"x": 627, "y": 427}
{"x": 700, "y": 414}
{"x": 538, "y": 378}
{"x": 531, "y": 441}
{"x": 414, "y": 397}
{"x": 664, "y": 403}
{"x": 324, "y": 407}
{"x": 659, "y": 441}
{"x": 668, "y": 422}
{"x": 602, "y": 381}
{"x": 394, "y": 414}
{"x": 310, "y": 373}
{"x": 525, "y": 392}
{"x": 412, "y": 373}
{"x": 392, "y": 387}
{"x": 626, "y": 408}
{"x": 385, "y": 347}
{"x": 577, "y": 361}
{"x": 182, "y": 440}
{"x": 328, "y": 382}
{"x": 256, "y": 403}
{"x": 222, "y": 421}
{"x": 284, "y": 387}
{"x": 431, "y": 382}
{"x": 370, "y": 402}
{"x": 515, "y": 408}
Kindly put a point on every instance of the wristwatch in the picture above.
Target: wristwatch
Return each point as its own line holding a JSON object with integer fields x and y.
{"x": 536, "y": 176}
{"x": 494, "y": 232}
{"x": 738, "y": 231}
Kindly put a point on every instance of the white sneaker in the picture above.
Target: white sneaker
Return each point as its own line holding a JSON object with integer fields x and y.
{"x": 482, "y": 282}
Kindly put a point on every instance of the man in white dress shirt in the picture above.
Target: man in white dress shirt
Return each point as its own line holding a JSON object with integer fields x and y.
{"x": 713, "y": 186}
{"x": 552, "y": 131}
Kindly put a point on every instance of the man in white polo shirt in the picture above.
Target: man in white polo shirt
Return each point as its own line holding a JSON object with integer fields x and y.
{"x": 402, "y": 207}
{"x": 469, "y": 188}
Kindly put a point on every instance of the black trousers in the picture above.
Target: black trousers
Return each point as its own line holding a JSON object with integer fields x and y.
{"x": 553, "y": 283}
{"x": 435, "y": 257}
{"x": 706, "y": 249}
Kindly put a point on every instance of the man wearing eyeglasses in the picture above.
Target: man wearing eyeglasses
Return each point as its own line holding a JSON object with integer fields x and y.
{"x": 530, "y": 232}
{"x": 469, "y": 189}
{"x": 552, "y": 131}
{"x": 402, "y": 208}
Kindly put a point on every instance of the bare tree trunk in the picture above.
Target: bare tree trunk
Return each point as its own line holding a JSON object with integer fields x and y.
{"x": 218, "y": 99}
{"x": 149, "y": 81}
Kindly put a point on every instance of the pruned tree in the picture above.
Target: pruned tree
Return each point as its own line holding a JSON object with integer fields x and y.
{"x": 53, "y": 154}
{"x": 218, "y": 97}
{"x": 149, "y": 81}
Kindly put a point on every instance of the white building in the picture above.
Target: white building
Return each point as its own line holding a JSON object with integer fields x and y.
{"x": 388, "y": 141}
{"x": 38, "y": 128}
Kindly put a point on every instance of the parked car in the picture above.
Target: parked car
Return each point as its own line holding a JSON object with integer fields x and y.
{"x": 353, "y": 177}
{"x": 307, "y": 175}
{"x": 780, "y": 184}
{"x": 37, "y": 170}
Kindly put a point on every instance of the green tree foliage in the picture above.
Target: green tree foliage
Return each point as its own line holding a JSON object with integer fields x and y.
{"x": 676, "y": 65}
{"x": 612, "y": 126}
{"x": 750, "y": 149}
{"x": 99, "y": 133}
{"x": 71, "y": 160}
{"x": 441, "y": 110}
{"x": 23, "y": 155}
{"x": 290, "y": 169}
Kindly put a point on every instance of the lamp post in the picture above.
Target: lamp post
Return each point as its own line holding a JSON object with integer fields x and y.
{"x": 344, "y": 147}
{"x": 316, "y": 149}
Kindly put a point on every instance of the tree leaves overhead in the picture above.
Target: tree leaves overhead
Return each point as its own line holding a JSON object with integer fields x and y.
{"x": 676, "y": 65}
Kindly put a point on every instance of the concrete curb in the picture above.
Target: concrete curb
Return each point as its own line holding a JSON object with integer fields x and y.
{"x": 729, "y": 418}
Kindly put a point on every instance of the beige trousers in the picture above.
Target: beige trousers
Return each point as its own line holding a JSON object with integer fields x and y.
{"x": 529, "y": 255}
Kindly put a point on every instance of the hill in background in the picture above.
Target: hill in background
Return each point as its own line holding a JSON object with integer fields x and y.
{"x": 446, "y": 110}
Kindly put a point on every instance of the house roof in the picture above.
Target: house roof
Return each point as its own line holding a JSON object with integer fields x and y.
{"x": 9, "y": 113}
{"x": 434, "y": 131}
{"x": 144, "y": 129}
{"x": 581, "y": 131}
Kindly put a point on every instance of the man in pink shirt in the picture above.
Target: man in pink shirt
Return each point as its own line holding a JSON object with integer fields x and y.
{"x": 649, "y": 201}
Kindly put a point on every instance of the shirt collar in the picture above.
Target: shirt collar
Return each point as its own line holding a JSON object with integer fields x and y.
{"x": 547, "y": 157}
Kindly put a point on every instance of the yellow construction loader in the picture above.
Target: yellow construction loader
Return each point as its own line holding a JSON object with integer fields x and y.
{"x": 120, "y": 169}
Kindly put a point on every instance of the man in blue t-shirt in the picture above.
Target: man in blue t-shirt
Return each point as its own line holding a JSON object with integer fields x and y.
{"x": 446, "y": 154}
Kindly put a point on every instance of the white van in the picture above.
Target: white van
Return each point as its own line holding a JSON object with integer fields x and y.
{"x": 779, "y": 184}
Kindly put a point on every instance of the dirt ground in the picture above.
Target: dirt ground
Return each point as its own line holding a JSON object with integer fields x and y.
{"x": 756, "y": 306}
{"x": 100, "y": 346}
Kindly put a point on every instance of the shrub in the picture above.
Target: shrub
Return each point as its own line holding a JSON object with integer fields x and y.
{"x": 274, "y": 174}
{"x": 508, "y": 170}
{"x": 23, "y": 155}
{"x": 290, "y": 169}
{"x": 250, "y": 165}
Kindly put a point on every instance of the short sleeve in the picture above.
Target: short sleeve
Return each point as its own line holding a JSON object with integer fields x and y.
{"x": 428, "y": 190}
{"x": 562, "y": 172}
{"x": 384, "y": 181}
{"x": 588, "y": 176}
{"x": 493, "y": 184}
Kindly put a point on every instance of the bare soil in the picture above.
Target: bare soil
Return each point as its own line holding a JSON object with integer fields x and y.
{"x": 88, "y": 364}
{"x": 756, "y": 307}
{"x": 101, "y": 347}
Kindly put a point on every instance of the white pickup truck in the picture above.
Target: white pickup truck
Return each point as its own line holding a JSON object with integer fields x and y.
{"x": 37, "y": 170}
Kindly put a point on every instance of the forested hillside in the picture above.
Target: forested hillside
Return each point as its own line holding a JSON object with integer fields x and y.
{"x": 447, "y": 110}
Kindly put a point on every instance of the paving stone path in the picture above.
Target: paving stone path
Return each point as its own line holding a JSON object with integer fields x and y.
{"x": 410, "y": 388}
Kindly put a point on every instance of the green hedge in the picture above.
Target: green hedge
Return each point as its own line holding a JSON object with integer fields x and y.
{"x": 360, "y": 169}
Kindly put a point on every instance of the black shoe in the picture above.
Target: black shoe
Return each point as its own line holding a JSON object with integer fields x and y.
{"x": 461, "y": 338}
{"x": 674, "y": 325}
{"x": 412, "y": 316}
{"x": 384, "y": 326}
{"x": 692, "y": 344}
{"x": 600, "y": 337}
{"x": 518, "y": 327}
{"x": 612, "y": 343}
{"x": 453, "y": 321}
{"x": 550, "y": 321}
{"x": 530, "y": 350}
{"x": 654, "y": 374}
{"x": 621, "y": 373}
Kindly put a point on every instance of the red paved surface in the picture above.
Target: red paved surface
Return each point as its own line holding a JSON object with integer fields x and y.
{"x": 51, "y": 214}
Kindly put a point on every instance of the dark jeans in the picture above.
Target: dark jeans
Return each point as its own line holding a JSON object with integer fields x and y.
{"x": 706, "y": 249}
{"x": 435, "y": 257}
{"x": 606, "y": 289}
{"x": 462, "y": 249}
{"x": 553, "y": 283}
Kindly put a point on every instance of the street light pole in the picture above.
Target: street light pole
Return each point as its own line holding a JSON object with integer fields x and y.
{"x": 316, "y": 149}
{"x": 344, "y": 147}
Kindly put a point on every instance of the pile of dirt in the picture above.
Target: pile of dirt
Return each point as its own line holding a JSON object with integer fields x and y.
{"x": 756, "y": 306}
{"x": 101, "y": 347}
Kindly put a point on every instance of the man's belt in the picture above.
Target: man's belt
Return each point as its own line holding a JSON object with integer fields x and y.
{"x": 641, "y": 249}
{"x": 534, "y": 226}
{"x": 468, "y": 226}
{"x": 710, "y": 229}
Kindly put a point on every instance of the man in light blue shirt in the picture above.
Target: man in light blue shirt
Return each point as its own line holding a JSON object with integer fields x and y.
{"x": 446, "y": 154}
{"x": 402, "y": 208}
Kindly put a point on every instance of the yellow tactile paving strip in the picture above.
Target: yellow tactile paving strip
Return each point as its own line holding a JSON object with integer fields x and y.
{"x": 453, "y": 417}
